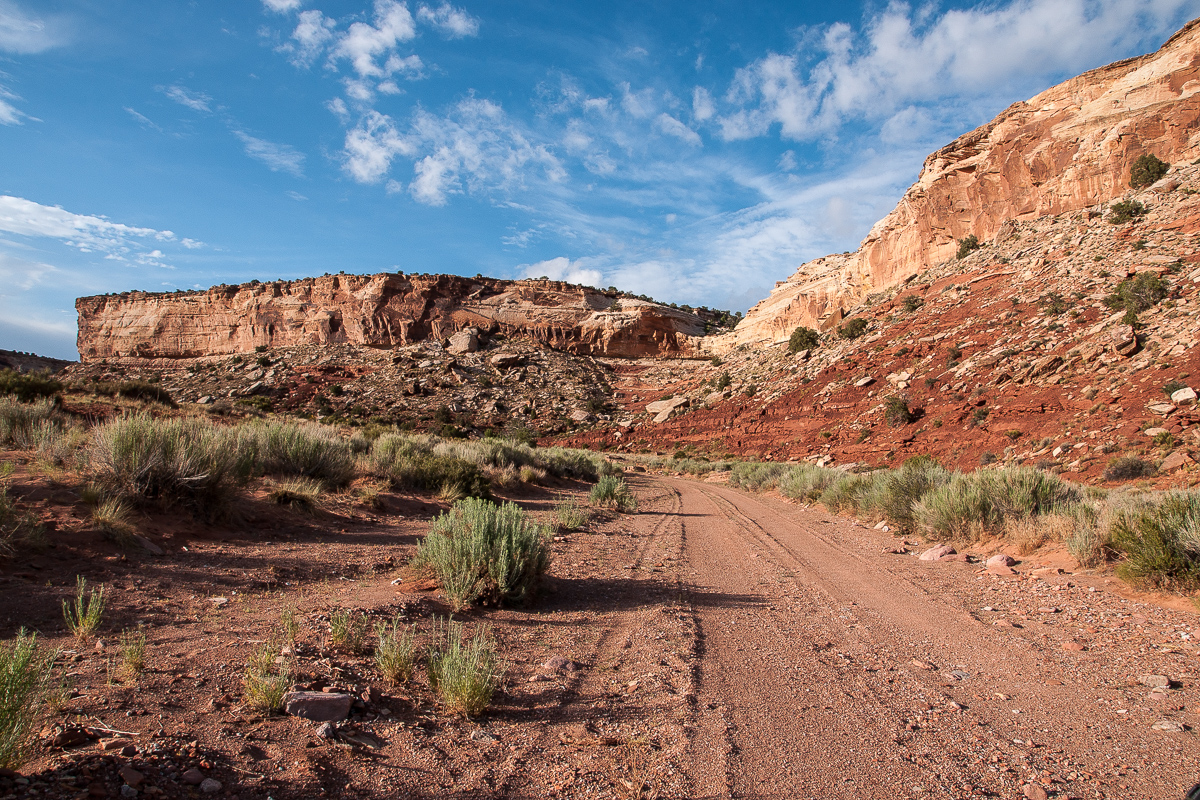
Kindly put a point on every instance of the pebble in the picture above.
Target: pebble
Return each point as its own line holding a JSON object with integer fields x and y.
{"x": 193, "y": 777}
{"x": 1155, "y": 681}
{"x": 128, "y": 791}
{"x": 1168, "y": 725}
{"x": 210, "y": 786}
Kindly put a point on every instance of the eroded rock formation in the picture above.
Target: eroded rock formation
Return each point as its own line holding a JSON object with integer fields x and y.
{"x": 384, "y": 310}
{"x": 1066, "y": 149}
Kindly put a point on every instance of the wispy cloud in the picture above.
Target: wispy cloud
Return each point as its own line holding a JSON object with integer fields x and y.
{"x": 277, "y": 157}
{"x": 196, "y": 101}
{"x": 282, "y": 6}
{"x": 453, "y": 22}
{"x": 142, "y": 119}
{"x": 22, "y": 34}
{"x": 10, "y": 114}
{"x": 86, "y": 233}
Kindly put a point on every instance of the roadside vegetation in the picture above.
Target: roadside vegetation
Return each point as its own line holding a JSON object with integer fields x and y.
{"x": 1152, "y": 537}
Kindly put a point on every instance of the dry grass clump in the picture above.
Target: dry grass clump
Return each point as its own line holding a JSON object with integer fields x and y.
{"x": 112, "y": 517}
{"x": 17, "y": 528}
{"x": 84, "y": 614}
{"x": 132, "y": 648}
{"x": 569, "y": 515}
{"x": 482, "y": 552}
{"x": 463, "y": 673}
{"x": 1029, "y": 534}
{"x": 396, "y": 652}
{"x": 267, "y": 678}
{"x": 300, "y": 493}
{"x": 347, "y": 631}
{"x": 611, "y": 491}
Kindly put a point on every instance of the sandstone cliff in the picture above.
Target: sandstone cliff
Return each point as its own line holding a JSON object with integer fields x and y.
{"x": 384, "y": 310}
{"x": 1066, "y": 149}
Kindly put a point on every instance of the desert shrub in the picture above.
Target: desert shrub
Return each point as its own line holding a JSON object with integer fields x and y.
{"x": 446, "y": 475}
{"x": 569, "y": 515}
{"x": 1028, "y": 534}
{"x": 16, "y": 527}
{"x": 1144, "y": 290}
{"x": 301, "y": 493}
{"x": 912, "y": 302}
{"x": 305, "y": 450}
{"x": 847, "y": 492}
{"x": 803, "y": 339}
{"x": 1146, "y": 170}
{"x": 724, "y": 381}
{"x": 896, "y": 412}
{"x": 463, "y": 673}
{"x": 482, "y": 552}
{"x": 347, "y": 631}
{"x": 143, "y": 390}
{"x": 488, "y": 452}
{"x": 25, "y": 682}
{"x": 1161, "y": 544}
{"x": 396, "y": 651}
{"x": 611, "y": 491}
{"x": 967, "y": 245}
{"x": 807, "y": 481}
{"x": 19, "y": 420}
{"x": 28, "y": 386}
{"x": 1172, "y": 386}
{"x": 901, "y": 489}
{"x": 581, "y": 465}
{"x": 112, "y": 517}
{"x": 1125, "y": 211}
{"x": 757, "y": 477}
{"x": 1127, "y": 468}
{"x": 853, "y": 329}
{"x": 173, "y": 461}
{"x": 971, "y": 505}
{"x": 132, "y": 648}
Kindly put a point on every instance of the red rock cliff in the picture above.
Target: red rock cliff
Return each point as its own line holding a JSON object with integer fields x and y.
{"x": 1066, "y": 149}
{"x": 383, "y": 310}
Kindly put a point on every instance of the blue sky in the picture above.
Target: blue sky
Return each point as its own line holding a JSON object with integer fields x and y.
{"x": 694, "y": 151}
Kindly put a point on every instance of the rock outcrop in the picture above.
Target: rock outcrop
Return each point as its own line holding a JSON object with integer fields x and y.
{"x": 1067, "y": 149}
{"x": 385, "y": 310}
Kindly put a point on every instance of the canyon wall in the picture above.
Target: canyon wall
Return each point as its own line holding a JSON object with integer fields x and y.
{"x": 1066, "y": 149}
{"x": 384, "y": 310}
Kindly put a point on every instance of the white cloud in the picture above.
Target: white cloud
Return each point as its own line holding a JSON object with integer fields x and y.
{"x": 21, "y": 273}
{"x": 88, "y": 234}
{"x": 787, "y": 161}
{"x": 197, "y": 101}
{"x": 637, "y": 104}
{"x": 313, "y": 32}
{"x": 702, "y": 104}
{"x": 362, "y": 44}
{"x": 281, "y": 6}
{"x": 142, "y": 119}
{"x": 277, "y": 157}
{"x": 337, "y": 106}
{"x": 9, "y": 114}
{"x": 371, "y": 146}
{"x": 452, "y": 22}
{"x": 673, "y": 127}
{"x": 905, "y": 56}
{"x": 563, "y": 269}
{"x": 191, "y": 244}
{"x": 22, "y": 34}
{"x": 296, "y": 196}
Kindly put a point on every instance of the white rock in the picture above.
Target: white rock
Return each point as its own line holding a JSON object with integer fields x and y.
{"x": 1185, "y": 395}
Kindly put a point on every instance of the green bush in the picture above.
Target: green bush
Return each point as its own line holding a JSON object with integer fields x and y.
{"x": 1128, "y": 468}
{"x": 25, "y": 683}
{"x": 724, "y": 381}
{"x": 847, "y": 493}
{"x": 28, "y": 386}
{"x": 612, "y": 491}
{"x": 853, "y": 329}
{"x": 912, "y": 303}
{"x": 481, "y": 552}
{"x": 967, "y": 245}
{"x": 900, "y": 490}
{"x": 803, "y": 339}
{"x": 896, "y": 412}
{"x": 807, "y": 482}
{"x": 142, "y": 390}
{"x": 1138, "y": 293}
{"x": 1161, "y": 545}
{"x": 1146, "y": 170}
{"x": 16, "y": 528}
{"x": 969, "y": 506}
{"x": 297, "y": 449}
{"x": 464, "y": 674}
{"x": 1126, "y": 211}
{"x": 396, "y": 651}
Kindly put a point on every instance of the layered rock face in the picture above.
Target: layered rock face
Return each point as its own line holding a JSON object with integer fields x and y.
{"x": 385, "y": 310}
{"x": 1066, "y": 149}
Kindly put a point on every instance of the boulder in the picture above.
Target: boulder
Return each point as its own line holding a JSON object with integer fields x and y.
{"x": 1123, "y": 340}
{"x": 937, "y": 552}
{"x": 1186, "y": 395}
{"x": 1176, "y": 461}
{"x": 669, "y": 404}
{"x": 1002, "y": 560}
{"x": 318, "y": 706}
{"x": 1165, "y": 185}
{"x": 867, "y": 381}
{"x": 1152, "y": 432}
{"x": 465, "y": 341}
{"x": 506, "y": 360}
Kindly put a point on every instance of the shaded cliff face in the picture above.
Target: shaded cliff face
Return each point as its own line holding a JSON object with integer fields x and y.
{"x": 1066, "y": 149}
{"x": 385, "y": 310}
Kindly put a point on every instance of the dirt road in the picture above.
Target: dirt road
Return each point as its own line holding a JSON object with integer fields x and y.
{"x": 828, "y": 669}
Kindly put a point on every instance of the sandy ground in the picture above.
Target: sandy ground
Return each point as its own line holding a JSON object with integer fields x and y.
{"x": 720, "y": 645}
